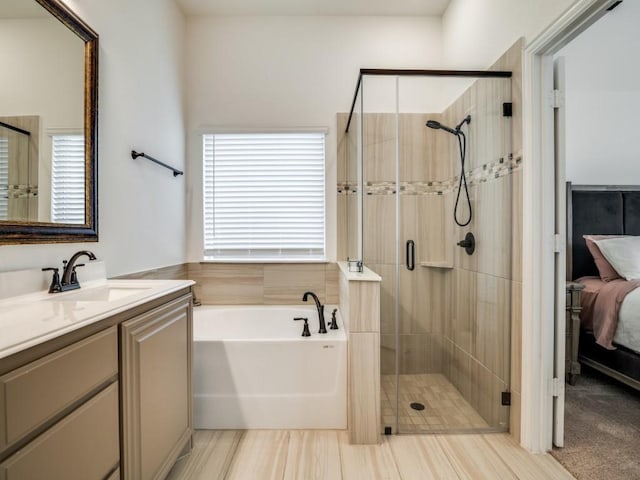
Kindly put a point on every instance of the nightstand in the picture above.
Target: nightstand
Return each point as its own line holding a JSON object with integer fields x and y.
{"x": 572, "y": 367}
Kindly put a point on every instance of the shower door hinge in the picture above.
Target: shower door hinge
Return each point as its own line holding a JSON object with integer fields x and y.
{"x": 556, "y": 99}
{"x": 506, "y": 399}
{"x": 558, "y": 243}
{"x": 557, "y": 387}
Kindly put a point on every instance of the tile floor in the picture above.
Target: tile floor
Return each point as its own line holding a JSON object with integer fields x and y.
{"x": 445, "y": 408}
{"x": 327, "y": 455}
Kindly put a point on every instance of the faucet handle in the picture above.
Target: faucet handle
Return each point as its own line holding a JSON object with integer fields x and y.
{"x": 55, "y": 286}
{"x": 305, "y": 329}
{"x": 74, "y": 275}
{"x": 333, "y": 325}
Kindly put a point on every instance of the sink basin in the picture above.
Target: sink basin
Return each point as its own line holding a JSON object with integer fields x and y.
{"x": 106, "y": 293}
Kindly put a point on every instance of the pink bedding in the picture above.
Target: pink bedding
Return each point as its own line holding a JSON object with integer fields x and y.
{"x": 601, "y": 303}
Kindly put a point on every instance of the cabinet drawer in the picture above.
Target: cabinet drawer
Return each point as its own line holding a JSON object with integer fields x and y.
{"x": 35, "y": 393}
{"x": 83, "y": 446}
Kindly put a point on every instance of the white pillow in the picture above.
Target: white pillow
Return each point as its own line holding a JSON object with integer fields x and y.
{"x": 623, "y": 254}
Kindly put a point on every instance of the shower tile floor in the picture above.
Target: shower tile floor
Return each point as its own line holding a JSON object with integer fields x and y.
{"x": 445, "y": 408}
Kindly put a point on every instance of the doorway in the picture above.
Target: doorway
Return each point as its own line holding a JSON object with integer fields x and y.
{"x": 545, "y": 239}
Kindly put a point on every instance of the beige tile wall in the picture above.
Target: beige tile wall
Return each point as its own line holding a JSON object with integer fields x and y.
{"x": 485, "y": 326}
{"x": 360, "y": 309}
{"x": 254, "y": 284}
{"x": 258, "y": 284}
{"x": 173, "y": 272}
{"x": 423, "y": 309}
{"x": 512, "y": 60}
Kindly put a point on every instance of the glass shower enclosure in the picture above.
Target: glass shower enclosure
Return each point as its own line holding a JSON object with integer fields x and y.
{"x": 445, "y": 310}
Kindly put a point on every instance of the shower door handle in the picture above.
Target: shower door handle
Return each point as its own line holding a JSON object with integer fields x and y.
{"x": 410, "y": 255}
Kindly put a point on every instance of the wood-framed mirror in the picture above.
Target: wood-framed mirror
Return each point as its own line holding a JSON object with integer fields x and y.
{"x": 48, "y": 124}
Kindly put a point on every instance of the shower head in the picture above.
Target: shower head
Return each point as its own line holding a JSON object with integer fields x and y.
{"x": 438, "y": 126}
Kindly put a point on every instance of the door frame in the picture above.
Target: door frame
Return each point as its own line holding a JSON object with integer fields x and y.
{"x": 538, "y": 307}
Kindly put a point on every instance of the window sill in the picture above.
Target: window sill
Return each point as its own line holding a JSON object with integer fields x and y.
{"x": 264, "y": 260}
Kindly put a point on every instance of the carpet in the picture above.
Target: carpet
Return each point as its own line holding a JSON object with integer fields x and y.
{"x": 602, "y": 429}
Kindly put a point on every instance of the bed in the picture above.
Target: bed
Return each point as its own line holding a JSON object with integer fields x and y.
{"x": 604, "y": 210}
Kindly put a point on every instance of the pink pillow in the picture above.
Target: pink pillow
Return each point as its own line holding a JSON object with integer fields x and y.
{"x": 606, "y": 271}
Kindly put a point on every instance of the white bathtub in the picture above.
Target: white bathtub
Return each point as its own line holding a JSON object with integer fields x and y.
{"x": 253, "y": 369}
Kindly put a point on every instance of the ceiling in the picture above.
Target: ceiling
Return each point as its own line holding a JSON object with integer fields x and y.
{"x": 314, "y": 7}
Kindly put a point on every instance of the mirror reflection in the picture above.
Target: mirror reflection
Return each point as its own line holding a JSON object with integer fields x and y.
{"x": 42, "y": 162}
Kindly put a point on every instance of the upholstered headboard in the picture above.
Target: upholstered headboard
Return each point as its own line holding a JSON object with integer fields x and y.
{"x": 598, "y": 210}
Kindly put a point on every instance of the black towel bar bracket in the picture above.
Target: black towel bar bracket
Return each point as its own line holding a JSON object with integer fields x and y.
{"x": 135, "y": 155}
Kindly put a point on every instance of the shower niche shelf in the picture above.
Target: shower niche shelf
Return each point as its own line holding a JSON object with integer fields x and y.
{"x": 437, "y": 264}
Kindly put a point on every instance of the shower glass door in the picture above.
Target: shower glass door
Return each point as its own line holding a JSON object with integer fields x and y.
{"x": 445, "y": 315}
{"x": 379, "y": 220}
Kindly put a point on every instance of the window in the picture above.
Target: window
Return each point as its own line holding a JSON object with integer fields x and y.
{"x": 264, "y": 196}
{"x": 67, "y": 179}
{"x": 4, "y": 178}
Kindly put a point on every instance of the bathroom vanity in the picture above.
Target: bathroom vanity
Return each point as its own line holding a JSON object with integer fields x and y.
{"x": 96, "y": 383}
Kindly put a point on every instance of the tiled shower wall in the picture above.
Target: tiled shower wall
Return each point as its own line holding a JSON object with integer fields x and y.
{"x": 477, "y": 347}
{"x": 423, "y": 293}
{"x": 461, "y": 319}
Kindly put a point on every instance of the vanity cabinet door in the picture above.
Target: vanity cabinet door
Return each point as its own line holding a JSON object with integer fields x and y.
{"x": 156, "y": 389}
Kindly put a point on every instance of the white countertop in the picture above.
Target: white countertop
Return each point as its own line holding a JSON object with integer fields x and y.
{"x": 30, "y": 319}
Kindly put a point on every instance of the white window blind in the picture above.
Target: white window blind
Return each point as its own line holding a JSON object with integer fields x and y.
{"x": 4, "y": 179}
{"x": 67, "y": 179}
{"x": 264, "y": 196}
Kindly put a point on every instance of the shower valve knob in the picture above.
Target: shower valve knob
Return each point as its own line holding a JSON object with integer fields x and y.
{"x": 469, "y": 243}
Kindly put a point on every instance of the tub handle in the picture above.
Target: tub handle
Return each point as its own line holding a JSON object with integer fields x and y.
{"x": 333, "y": 325}
{"x": 305, "y": 329}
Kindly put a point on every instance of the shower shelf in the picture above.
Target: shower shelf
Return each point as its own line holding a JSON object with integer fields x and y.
{"x": 442, "y": 264}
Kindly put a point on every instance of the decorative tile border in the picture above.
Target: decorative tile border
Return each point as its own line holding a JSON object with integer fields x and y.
{"x": 19, "y": 191}
{"x": 482, "y": 174}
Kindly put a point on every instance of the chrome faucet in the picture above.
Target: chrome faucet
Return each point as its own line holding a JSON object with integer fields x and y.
{"x": 320, "y": 307}
{"x": 69, "y": 278}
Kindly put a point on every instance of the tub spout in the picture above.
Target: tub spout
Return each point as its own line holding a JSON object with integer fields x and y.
{"x": 320, "y": 307}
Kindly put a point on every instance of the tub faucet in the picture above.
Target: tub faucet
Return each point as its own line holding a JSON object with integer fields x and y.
{"x": 69, "y": 277}
{"x": 320, "y": 307}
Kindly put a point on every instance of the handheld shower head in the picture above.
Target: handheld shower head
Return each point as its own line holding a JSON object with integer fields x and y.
{"x": 438, "y": 126}
{"x": 462, "y": 143}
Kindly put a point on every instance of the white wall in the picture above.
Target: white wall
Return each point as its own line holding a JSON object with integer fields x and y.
{"x": 141, "y": 206}
{"x": 477, "y": 32}
{"x": 279, "y": 72}
{"x": 603, "y": 100}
